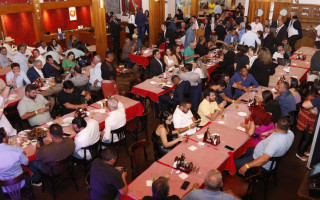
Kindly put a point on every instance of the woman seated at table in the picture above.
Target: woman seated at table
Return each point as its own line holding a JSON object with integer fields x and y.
{"x": 270, "y": 105}
{"x": 170, "y": 59}
{"x": 260, "y": 125}
{"x": 69, "y": 62}
{"x": 178, "y": 54}
{"x": 163, "y": 135}
{"x": 199, "y": 68}
{"x": 55, "y": 46}
{"x": 294, "y": 84}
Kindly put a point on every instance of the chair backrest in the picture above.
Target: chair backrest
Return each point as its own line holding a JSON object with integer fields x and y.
{"x": 87, "y": 183}
{"x": 120, "y": 132}
{"x": 62, "y": 166}
{"x": 142, "y": 121}
{"x": 13, "y": 186}
{"x": 138, "y": 156}
{"x": 93, "y": 149}
{"x": 274, "y": 163}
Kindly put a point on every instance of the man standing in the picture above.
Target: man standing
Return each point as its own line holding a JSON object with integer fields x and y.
{"x": 250, "y": 39}
{"x": 217, "y": 9}
{"x": 275, "y": 24}
{"x": 21, "y": 58}
{"x": 107, "y": 181}
{"x": 18, "y": 77}
{"x": 190, "y": 36}
{"x": 256, "y": 25}
{"x": 157, "y": 66}
{"x": 173, "y": 25}
{"x": 294, "y": 32}
{"x": 87, "y": 135}
{"x": 199, "y": 32}
{"x": 115, "y": 29}
{"x": 95, "y": 74}
{"x": 35, "y": 72}
{"x": 189, "y": 54}
{"x": 140, "y": 21}
{"x": 285, "y": 99}
{"x": 209, "y": 109}
{"x": 128, "y": 49}
{"x": 115, "y": 120}
{"x": 282, "y": 33}
{"x": 183, "y": 120}
{"x": 231, "y": 37}
{"x": 70, "y": 98}
{"x": 4, "y": 61}
{"x": 213, "y": 183}
{"x": 275, "y": 145}
{"x": 167, "y": 36}
{"x": 183, "y": 87}
{"x": 34, "y": 107}
{"x": 51, "y": 68}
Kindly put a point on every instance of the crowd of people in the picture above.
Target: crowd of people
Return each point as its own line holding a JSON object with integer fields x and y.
{"x": 249, "y": 52}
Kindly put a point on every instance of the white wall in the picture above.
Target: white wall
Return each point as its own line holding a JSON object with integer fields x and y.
{"x": 170, "y": 8}
{"x": 317, "y": 2}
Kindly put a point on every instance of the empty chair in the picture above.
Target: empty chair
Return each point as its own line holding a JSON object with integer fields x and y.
{"x": 121, "y": 134}
{"x": 138, "y": 125}
{"x": 139, "y": 157}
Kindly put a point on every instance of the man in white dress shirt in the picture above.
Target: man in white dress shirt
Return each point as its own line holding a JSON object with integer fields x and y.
{"x": 183, "y": 120}
{"x": 42, "y": 48}
{"x": 18, "y": 77}
{"x": 250, "y": 39}
{"x": 256, "y": 25}
{"x": 21, "y": 58}
{"x": 115, "y": 120}
{"x": 95, "y": 74}
{"x": 8, "y": 45}
{"x": 316, "y": 32}
{"x": 38, "y": 56}
{"x": 87, "y": 134}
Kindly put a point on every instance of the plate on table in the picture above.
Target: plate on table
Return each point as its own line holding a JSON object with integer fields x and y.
{"x": 153, "y": 82}
{"x": 23, "y": 133}
{"x": 242, "y": 114}
{"x": 65, "y": 124}
{"x": 68, "y": 120}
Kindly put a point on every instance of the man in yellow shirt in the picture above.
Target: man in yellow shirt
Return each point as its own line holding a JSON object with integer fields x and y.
{"x": 211, "y": 6}
{"x": 209, "y": 109}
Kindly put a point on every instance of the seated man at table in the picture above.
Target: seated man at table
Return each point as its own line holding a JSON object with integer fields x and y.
{"x": 54, "y": 90}
{"x": 136, "y": 44}
{"x": 38, "y": 56}
{"x": 209, "y": 109}
{"x": 285, "y": 99}
{"x": 213, "y": 183}
{"x": 60, "y": 148}
{"x": 70, "y": 98}
{"x": 227, "y": 65}
{"x": 95, "y": 74}
{"x": 160, "y": 190}
{"x": 34, "y": 107}
{"x": 173, "y": 98}
{"x": 243, "y": 82}
{"x": 279, "y": 53}
{"x": 183, "y": 120}
{"x": 189, "y": 54}
{"x": 35, "y": 72}
{"x": 116, "y": 119}
{"x": 77, "y": 53}
{"x": 4, "y": 61}
{"x": 107, "y": 181}
{"x": 231, "y": 37}
{"x": 126, "y": 50}
{"x": 19, "y": 77}
{"x": 12, "y": 158}
{"x": 51, "y": 68}
{"x": 276, "y": 145}
{"x": 78, "y": 79}
{"x": 189, "y": 75}
{"x": 201, "y": 48}
{"x": 87, "y": 134}
{"x": 157, "y": 65}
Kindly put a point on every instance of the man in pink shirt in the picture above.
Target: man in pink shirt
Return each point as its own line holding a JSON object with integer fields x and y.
{"x": 256, "y": 25}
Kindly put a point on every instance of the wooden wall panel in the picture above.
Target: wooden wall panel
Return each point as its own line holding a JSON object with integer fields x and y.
{"x": 194, "y": 8}
{"x": 278, "y": 6}
{"x": 156, "y": 18}
{"x": 253, "y": 6}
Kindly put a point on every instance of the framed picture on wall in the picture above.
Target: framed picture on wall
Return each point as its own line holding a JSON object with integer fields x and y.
{"x": 130, "y": 5}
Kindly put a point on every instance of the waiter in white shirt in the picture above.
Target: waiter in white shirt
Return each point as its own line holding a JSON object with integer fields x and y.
{"x": 256, "y": 25}
{"x": 250, "y": 39}
{"x": 294, "y": 32}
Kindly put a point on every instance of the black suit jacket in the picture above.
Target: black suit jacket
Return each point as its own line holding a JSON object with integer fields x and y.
{"x": 274, "y": 24}
{"x": 297, "y": 25}
{"x": 32, "y": 74}
{"x": 115, "y": 29}
{"x": 201, "y": 50}
{"x": 169, "y": 35}
{"x": 181, "y": 90}
{"x": 228, "y": 60}
{"x": 270, "y": 43}
{"x": 155, "y": 68}
{"x": 282, "y": 34}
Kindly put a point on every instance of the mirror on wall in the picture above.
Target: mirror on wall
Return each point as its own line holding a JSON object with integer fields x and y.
{"x": 259, "y": 12}
{"x": 283, "y": 12}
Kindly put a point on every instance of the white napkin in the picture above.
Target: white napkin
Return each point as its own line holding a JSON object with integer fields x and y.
{"x": 220, "y": 122}
{"x": 183, "y": 175}
{"x": 201, "y": 143}
{"x": 192, "y": 148}
{"x": 100, "y": 103}
{"x": 149, "y": 183}
{"x": 200, "y": 136}
{"x": 153, "y": 82}
{"x": 241, "y": 128}
{"x": 49, "y": 123}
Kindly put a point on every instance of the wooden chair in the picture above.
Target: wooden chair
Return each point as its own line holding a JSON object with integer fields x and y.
{"x": 293, "y": 116}
{"x": 138, "y": 125}
{"x": 94, "y": 151}
{"x": 138, "y": 157}
{"x": 121, "y": 133}
{"x": 59, "y": 171}
{"x": 13, "y": 187}
{"x": 87, "y": 183}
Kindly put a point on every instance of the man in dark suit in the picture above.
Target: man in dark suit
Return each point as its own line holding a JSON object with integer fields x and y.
{"x": 294, "y": 32}
{"x": 157, "y": 66}
{"x": 51, "y": 68}
{"x": 182, "y": 89}
{"x": 227, "y": 65}
{"x": 115, "y": 29}
{"x": 275, "y": 24}
{"x": 35, "y": 72}
{"x": 282, "y": 32}
{"x": 167, "y": 36}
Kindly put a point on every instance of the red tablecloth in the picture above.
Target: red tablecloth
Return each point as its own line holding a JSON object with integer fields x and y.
{"x": 143, "y": 59}
{"x": 3, "y": 73}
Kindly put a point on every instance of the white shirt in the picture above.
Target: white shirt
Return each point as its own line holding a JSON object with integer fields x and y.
{"x": 181, "y": 120}
{"x": 55, "y": 56}
{"x": 131, "y": 20}
{"x": 41, "y": 58}
{"x": 250, "y": 38}
{"x": 256, "y": 27}
{"x": 19, "y": 80}
{"x": 277, "y": 55}
{"x": 42, "y": 50}
{"x": 217, "y": 9}
{"x": 39, "y": 72}
{"x": 212, "y": 24}
{"x": 292, "y": 31}
{"x": 10, "y": 52}
{"x": 22, "y": 60}
{"x": 278, "y": 29}
{"x": 115, "y": 120}
{"x": 95, "y": 73}
{"x": 318, "y": 32}
{"x": 198, "y": 71}
{"x": 5, "y": 123}
{"x": 88, "y": 136}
